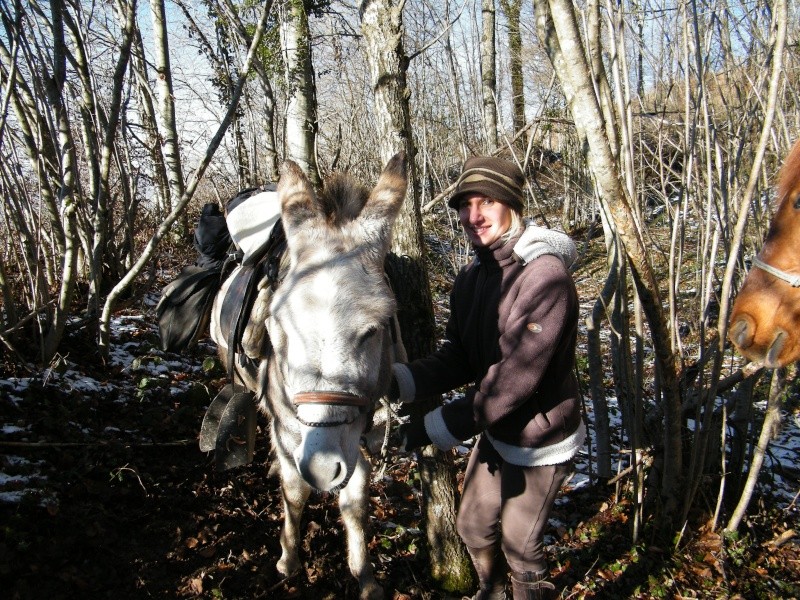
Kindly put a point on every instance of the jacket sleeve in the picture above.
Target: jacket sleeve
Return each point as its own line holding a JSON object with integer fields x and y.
{"x": 448, "y": 367}
{"x": 541, "y": 320}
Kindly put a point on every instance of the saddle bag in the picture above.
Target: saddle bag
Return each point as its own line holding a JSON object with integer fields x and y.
{"x": 251, "y": 216}
{"x": 184, "y": 310}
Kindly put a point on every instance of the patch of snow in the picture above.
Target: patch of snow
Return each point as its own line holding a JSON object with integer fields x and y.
{"x": 9, "y": 429}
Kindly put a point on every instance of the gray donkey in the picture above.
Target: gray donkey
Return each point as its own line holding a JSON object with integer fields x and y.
{"x": 330, "y": 325}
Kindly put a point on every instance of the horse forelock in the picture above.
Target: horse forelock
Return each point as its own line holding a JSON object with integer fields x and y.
{"x": 783, "y": 226}
{"x": 789, "y": 179}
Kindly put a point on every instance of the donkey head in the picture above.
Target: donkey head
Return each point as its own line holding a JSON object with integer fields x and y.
{"x": 330, "y": 318}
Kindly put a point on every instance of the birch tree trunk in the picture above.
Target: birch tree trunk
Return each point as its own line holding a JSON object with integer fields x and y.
{"x": 382, "y": 27}
{"x": 301, "y": 117}
{"x": 557, "y": 26}
{"x": 488, "y": 76}
{"x": 167, "y": 128}
{"x": 189, "y": 190}
{"x": 150, "y": 124}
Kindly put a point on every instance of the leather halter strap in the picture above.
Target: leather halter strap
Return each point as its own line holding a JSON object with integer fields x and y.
{"x": 792, "y": 280}
{"x": 333, "y": 398}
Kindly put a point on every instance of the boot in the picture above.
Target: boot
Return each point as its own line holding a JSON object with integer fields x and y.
{"x": 491, "y": 573}
{"x": 530, "y": 585}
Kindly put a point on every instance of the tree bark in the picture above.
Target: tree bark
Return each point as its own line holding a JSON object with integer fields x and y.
{"x": 558, "y": 31}
{"x": 270, "y": 170}
{"x": 301, "y": 111}
{"x": 772, "y": 419}
{"x": 102, "y": 212}
{"x": 168, "y": 130}
{"x": 67, "y": 181}
{"x": 382, "y": 27}
{"x": 488, "y": 76}
{"x": 512, "y": 9}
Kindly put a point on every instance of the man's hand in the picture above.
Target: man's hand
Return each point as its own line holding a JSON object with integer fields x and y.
{"x": 413, "y": 435}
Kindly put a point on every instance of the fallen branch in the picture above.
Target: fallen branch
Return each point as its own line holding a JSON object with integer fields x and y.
{"x": 645, "y": 460}
{"x": 780, "y": 540}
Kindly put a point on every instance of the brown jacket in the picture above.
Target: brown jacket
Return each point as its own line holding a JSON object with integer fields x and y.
{"x": 511, "y": 334}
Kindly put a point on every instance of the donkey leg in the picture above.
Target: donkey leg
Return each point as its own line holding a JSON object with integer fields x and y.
{"x": 295, "y": 492}
{"x": 353, "y": 504}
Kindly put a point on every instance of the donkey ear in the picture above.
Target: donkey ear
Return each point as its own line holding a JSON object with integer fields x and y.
{"x": 387, "y": 196}
{"x": 298, "y": 200}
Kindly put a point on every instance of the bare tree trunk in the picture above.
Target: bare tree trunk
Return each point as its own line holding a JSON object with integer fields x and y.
{"x": 594, "y": 354}
{"x": 457, "y": 86}
{"x": 197, "y": 175}
{"x": 150, "y": 125}
{"x": 741, "y": 418}
{"x": 67, "y": 185}
{"x": 270, "y": 171}
{"x": 512, "y": 9}
{"x": 558, "y": 30}
{"x": 168, "y": 130}
{"x": 301, "y": 111}
{"x": 772, "y": 419}
{"x": 382, "y": 27}
{"x": 488, "y": 77}
{"x": 100, "y": 222}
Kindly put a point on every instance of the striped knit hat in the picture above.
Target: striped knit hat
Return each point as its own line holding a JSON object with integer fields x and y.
{"x": 492, "y": 177}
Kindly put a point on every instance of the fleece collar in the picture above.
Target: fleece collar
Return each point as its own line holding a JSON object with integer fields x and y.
{"x": 536, "y": 241}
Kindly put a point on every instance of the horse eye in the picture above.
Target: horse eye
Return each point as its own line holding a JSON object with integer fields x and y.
{"x": 797, "y": 201}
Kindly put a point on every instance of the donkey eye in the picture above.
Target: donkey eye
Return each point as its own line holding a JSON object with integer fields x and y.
{"x": 367, "y": 334}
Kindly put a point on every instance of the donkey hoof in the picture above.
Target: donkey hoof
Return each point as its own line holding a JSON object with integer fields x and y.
{"x": 288, "y": 565}
{"x": 371, "y": 591}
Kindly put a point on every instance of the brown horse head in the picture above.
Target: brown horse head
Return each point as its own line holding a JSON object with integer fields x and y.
{"x": 765, "y": 318}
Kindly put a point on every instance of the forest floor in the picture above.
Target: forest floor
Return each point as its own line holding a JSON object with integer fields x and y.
{"x": 104, "y": 493}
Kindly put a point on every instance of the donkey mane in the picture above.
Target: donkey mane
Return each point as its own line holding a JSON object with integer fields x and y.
{"x": 342, "y": 199}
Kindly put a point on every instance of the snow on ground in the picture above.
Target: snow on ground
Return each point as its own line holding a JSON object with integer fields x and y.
{"x": 19, "y": 477}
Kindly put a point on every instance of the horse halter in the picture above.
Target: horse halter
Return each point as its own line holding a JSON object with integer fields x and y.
{"x": 792, "y": 280}
{"x": 363, "y": 404}
{"x": 334, "y": 398}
